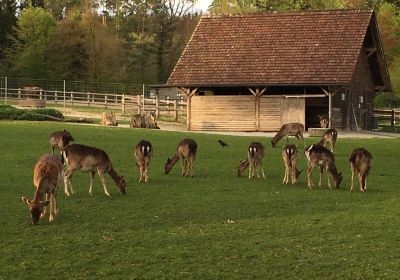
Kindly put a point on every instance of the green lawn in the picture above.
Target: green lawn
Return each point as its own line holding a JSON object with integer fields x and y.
{"x": 213, "y": 226}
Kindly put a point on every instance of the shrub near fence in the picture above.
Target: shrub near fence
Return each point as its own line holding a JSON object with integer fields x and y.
{"x": 127, "y": 98}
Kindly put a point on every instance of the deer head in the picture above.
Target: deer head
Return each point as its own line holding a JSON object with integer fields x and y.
{"x": 35, "y": 208}
{"x": 339, "y": 179}
{"x": 121, "y": 185}
{"x": 168, "y": 165}
{"x": 243, "y": 165}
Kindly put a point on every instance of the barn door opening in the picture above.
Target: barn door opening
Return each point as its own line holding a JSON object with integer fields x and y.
{"x": 315, "y": 107}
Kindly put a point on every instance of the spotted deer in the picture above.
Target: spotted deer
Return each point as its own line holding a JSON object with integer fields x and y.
{"x": 290, "y": 157}
{"x": 143, "y": 155}
{"x": 361, "y": 163}
{"x": 330, "y": 137}
{"x": 318, "y": 155}
{"x": 255, "y": 155}
{"x": 89, "y": 159}
{"x": 60, "y": 139}
{"x": 186, "y": 151}
{"x": 289, "y": 129}
{"x": 47, "y": 177}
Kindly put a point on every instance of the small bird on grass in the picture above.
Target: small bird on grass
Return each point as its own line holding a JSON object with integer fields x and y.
{"x": 223, "y": 144}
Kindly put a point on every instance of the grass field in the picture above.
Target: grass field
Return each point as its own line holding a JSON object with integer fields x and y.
{"x": 213, "y": 226}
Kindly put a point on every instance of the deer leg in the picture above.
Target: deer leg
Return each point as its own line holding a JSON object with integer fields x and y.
{"x": 140, "y": 172}
{"x": 91, "y": 177}
{"x": 360, "y": 181}
{"x": 103, "y": 181}
{"x": 55, "y": 202}
{"x": 293, "y": 169}
{"x": 183, "y": 166}
{"x": 250, "y": 169}
{"x": 52, "y": 150}
{"x": 352, "y": 178}
{"x": 67, "y": 180}
{"x": 43, "y": 214}
{"x": 51, "y": 217}
{"x": 309, "y": 179}
{"x": 262, "y": 170}
{"x": 321, "y": 170}
{"x": 191, "y": 162}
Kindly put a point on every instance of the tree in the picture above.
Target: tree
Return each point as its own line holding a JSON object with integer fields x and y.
{"x": 27, "y": 54}
{"x": 8, "y": 10}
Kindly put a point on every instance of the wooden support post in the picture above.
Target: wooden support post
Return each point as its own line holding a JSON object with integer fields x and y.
{"x": 139, "y": 104}
{"x": 189, "y": 94}
{"x": 392, "y": 120}
{"x": 176, "y": 110}
{"x": 330, "y": 111}
{"x": 157, "y": 106}
{"x": 123, "y": 104}
{"x": 257, "y": 93}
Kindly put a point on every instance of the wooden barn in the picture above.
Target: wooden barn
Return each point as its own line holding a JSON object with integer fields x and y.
{"x": 255, "y": 72}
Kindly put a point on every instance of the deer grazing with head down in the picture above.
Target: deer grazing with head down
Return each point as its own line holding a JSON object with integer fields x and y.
{"x": 255, "y": 155}
{"x": 289, "y": 129}
{"x": 144, "y": 120}
{"x": 318, "y": 155}
{"x": 85, "y": 158}
{"x": 186, "y": 152}
{"x": 361, "y": 163}
{"x": 330, "y": 137}
{"x": 60, "y": 139}
{"x": 290, "y": 157}
{"x": 143, "y": 155}
{"x": 47, "y": 177}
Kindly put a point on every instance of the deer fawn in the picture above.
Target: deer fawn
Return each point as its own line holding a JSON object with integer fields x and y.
{"x": 290, "y": 156}
{"x": 330, "y": 137}
{"x": 318, "y": 155}
{"x": 186, "y": 151}
{"x": 289, "y": 129}
{"x": 85, "y": 158}
{"x": 143, "y": 155}
{"x": 361, "y": 163}
{"x": 60, "y": 139}
{"x": 255, "y": 155}
{"x": 47, "y": 177}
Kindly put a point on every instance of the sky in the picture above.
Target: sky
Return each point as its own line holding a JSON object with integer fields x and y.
{"x": 202, "y": 5}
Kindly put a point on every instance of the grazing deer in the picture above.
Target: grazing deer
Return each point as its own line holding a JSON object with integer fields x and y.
{"x": 255, "y": 155}
{"x": 290, "y": 156}
{"x": 361, "y": 163}
{"x": 60, "y": 139}
{"x": 84, "y": 158}
{"x": 318, "y": 155}
{"x": 186, "y": 151}
{"x": 143, "y": 154}
{"x": 243, "y": 165}
{"x": 323, "y": 121}
{"x": 144, "y": 120}
{"x": 47, "y": 177}
{"x": 109, "y": 119}
{"x": 289, "y": 129}
{"x": 330, "y": 137}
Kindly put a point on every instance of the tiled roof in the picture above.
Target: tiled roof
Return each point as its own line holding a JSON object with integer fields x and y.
{"x": 303, "y": 48}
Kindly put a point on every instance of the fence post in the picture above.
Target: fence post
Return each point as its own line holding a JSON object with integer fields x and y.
{"x": 157, "y": 107}
{"x": 5, "y": 90}
{"x": 176, "y": 110}
{"x": 19, "y": 93}
{"x": 65, "y": 110}
{"x": 392, "y": 120}
{"x": 105, "y": 101}
{"x": 169, "y": 112}
{"x": 55, "y": 96}
{"x": 88, "y": 99}
{"x": 40, "y": 94}
{"x": 139, "y": 104}
{"x": 123, "y": 104}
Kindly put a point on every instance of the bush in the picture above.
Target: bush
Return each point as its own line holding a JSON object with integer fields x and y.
{"x": 387, "y": 100}
{"x": 11, "y": 113}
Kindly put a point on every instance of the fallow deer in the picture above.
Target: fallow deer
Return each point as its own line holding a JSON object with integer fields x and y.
{"x": 318, "y": 155}
{"x": 60, "y": 139}
{"x": 330, "y": 137}
{"x": 361, "y": 163}
{"x": 289, "y": 129}
{"x": 47, "y": 177}
{"x": 144, "y": 120}
{"x": 243, "y": 165}
{"x": 143, "y": 155}
{"x": 85, "y": 158}
{"x": 290, "y": 157}
{"x": 186, "y": 151}
{"x": 323, "y": 121}
{"x": 255, "y": 155}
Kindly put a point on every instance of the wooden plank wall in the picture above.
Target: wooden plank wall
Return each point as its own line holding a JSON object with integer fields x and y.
{"x": 271, "y": 113}
{"x": 293, "y": 110}
{"x": 229, "y": 113}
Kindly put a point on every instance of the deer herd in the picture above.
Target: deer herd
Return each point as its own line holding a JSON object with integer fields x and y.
{"x": 49, "y": 172}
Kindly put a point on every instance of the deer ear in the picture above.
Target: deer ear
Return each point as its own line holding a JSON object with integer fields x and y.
{"x": 24, "y": 199}
{"x": 45, "y": 203}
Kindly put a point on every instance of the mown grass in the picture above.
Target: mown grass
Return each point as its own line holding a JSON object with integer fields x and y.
{"x": 213, "y": 226}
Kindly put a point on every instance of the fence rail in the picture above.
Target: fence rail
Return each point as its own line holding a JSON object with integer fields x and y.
{"x": 128, "y": 104}
{"x": 390, "y": 115}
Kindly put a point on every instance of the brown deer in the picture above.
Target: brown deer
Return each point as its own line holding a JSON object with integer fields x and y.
{"x": 330, "y": 137}
{"x": 143, "y": 155}
{"x": 255, "y": 155}
{"x": 323, "y": 121}
{"x": 361, "y": 164}
{"x": 290, "y": 157}
{"x": 289, "y": 129}
{"x": 318, "y": 155}
{"x": 60, "y": 139}
{"x": 47, "y": 177}
{"x": 186, "y": 151}
{"x": 85, "y": 158}
{"x": 243, "y": 165}
{"x": 144, "y": 120}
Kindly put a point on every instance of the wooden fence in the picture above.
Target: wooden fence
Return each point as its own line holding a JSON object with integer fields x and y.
{"x": 128, "y": 104}
{"x": 391, "y": 116}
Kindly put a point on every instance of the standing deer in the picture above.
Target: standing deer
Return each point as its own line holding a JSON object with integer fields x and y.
{"x": 143, "y": 155}
{"x": 361, "y": 163}
{"x": 85, "y": 158}
{"x": 323, "y": 121}
{"x": 289, "y": 129}
{"x": 47, "y": 177}
{"x": 255, "y": 155}
{"x": 330, "y": 137}
{"x": 318, "y": 155}
{"x": 60, "y": 139}
{"x": 186, "y": 151}
{"x": 290, "y": 156}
